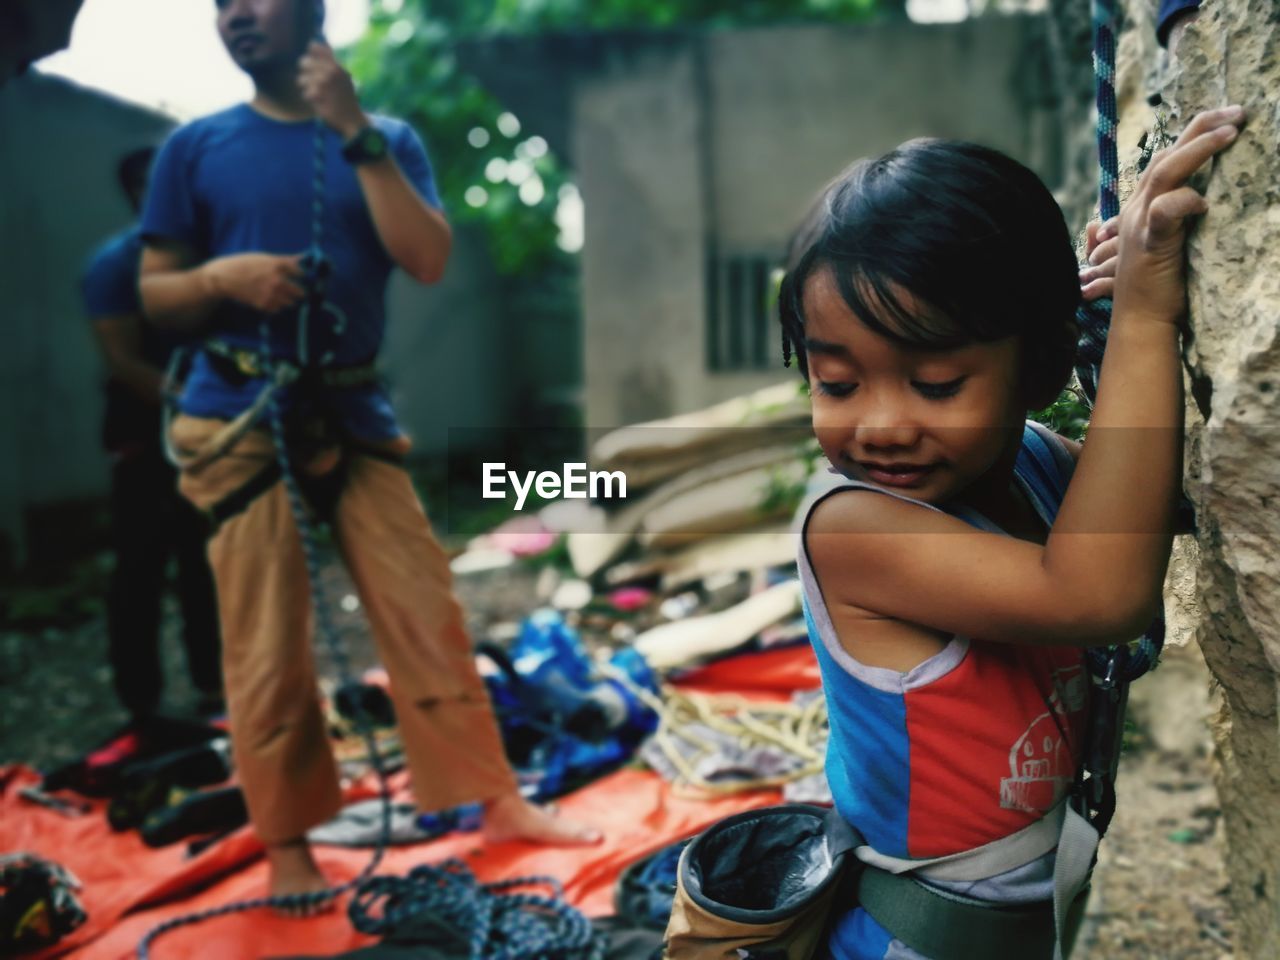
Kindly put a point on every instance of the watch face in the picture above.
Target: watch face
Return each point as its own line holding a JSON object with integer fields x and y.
{"x": 375, "y": 144}
{"x": 369, "y": 144}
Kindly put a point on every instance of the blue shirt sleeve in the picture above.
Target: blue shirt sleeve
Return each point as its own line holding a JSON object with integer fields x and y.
{"x": 109, "y": 285}
{"x": 171, "y": 212}
{"x": 1170, "y": 10}
{"x": 411, "y": 155}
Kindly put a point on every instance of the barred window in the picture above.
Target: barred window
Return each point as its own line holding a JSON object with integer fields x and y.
{"x": 741, "y": 326}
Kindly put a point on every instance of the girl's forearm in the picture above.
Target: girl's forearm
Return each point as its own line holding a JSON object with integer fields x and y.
{"x": 1114, "y": 531}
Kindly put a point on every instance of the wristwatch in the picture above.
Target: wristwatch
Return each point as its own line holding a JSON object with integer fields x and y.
{"x": 367, "y": 146}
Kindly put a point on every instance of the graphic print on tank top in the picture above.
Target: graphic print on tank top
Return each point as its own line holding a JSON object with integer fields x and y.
{"x": 1041, "y": 765}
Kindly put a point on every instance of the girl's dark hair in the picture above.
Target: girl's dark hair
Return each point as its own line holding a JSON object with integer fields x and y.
{"x": 972, "y": 235}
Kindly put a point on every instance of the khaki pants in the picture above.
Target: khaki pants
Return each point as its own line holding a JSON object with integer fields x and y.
{"x": 282, "y": 754}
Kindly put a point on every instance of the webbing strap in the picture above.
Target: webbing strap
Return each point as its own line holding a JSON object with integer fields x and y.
{"x": 239, "y": 499}
{"x": 1005, "y": 853}
{"x": 946, "y": 926}
{"x": 1076, "y": 852}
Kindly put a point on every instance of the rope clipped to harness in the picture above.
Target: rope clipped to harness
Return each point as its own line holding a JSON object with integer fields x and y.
{"x": 1123, "y": 663}
{"x": 1112, "y": 668}
{"x": 445, "y": 903}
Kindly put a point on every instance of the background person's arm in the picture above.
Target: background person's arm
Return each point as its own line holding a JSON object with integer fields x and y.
{"x": 120, "y": 340}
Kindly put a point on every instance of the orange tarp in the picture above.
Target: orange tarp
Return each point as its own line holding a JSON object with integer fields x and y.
{"x": 130, "y": 888}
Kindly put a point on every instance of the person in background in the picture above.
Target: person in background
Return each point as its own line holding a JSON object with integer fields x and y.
{"x": 150, "y": 522}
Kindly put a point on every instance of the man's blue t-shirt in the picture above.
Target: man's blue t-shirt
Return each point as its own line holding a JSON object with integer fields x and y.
{"x": 240, "y": 182}
{"x": 109, "y": 288}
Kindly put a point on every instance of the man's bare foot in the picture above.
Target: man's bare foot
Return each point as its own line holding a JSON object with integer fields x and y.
{"x": 512, "y": 817}
{"x": 294, "y": 874}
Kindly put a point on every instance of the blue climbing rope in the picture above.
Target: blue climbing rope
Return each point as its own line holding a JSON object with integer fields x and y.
{"x": 1104, "y": 71}
{"x": 445, "y": 901}
{"x": 1095, "y": 317}
{"x": 1111, "y": 669}
{"x": 1122, "y": 664}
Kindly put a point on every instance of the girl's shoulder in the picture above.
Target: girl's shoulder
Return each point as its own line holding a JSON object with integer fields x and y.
{"x": 957, "y": 573}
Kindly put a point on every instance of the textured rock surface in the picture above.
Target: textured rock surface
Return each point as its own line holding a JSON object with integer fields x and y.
{"x": 1232, "y": 54}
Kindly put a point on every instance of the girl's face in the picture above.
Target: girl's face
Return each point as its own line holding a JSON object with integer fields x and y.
{"x": 933, "y": 425}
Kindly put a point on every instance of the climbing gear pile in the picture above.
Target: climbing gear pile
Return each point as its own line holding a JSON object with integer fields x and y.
{"x": 566, "y": 719}
{"x": 38, "y": 904}
{"x": 101, "y": 771}
{"x": 149, "y": 785}
{"x": 728, "y": 744}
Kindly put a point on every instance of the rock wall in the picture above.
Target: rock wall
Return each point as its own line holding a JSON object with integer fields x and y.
{"x": 1231, "y": 54}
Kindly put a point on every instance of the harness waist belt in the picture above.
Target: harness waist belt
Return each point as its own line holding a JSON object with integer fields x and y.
{"x": 239, "y": 363}
{"x": 945, "y": 926}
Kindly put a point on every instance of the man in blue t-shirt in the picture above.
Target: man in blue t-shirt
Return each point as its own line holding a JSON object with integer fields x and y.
{"x": 229, "y": 215}
{"x": 150, "y": 521}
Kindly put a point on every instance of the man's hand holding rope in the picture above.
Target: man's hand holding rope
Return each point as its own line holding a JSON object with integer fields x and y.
{"x": 330, "y": 91}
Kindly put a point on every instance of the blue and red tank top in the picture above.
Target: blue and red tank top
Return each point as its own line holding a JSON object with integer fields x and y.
{"x": 970, "y": 746}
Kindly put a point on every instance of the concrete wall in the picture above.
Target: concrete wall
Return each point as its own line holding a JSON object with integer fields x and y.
{"x": 637, "y": 144}
{"x": 715, "y": 144}
{"x": 59, "y": 145}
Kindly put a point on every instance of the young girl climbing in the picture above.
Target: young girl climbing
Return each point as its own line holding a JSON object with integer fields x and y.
{"x": 966, "y": 556}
